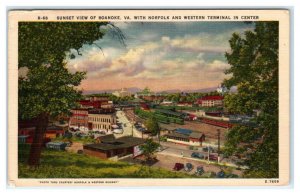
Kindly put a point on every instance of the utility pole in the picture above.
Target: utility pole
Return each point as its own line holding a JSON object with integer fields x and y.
{"x": 219, "y": 135}
{"x": 219, "y": 144}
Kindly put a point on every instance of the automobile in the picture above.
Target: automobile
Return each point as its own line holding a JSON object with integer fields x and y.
{"x": 212, "y": 157}
{"x": 199, "y": 170}
{"x": 178, "y": 166}
{"x": 221, "y": 174}
{"x": 197, "y": 155}
{"x": 211, "y": 149}
{"x": 188, "y": 167}
{"x": 118, "y": 131}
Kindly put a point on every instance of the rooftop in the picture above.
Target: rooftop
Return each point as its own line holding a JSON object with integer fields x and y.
{"x": 102, "y": 111}
{"x": 110, "y": 143}
{"x": 214, "y": 97}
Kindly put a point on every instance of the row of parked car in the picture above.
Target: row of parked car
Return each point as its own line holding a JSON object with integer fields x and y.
{"x": 188, "y": 167}
{"x": 198, "y": 155}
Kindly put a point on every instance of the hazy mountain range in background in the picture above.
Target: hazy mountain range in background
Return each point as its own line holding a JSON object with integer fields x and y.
{"x": 135, "y": 90}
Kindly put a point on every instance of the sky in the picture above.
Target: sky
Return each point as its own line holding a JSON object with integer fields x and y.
{"x": 159, "y": 55}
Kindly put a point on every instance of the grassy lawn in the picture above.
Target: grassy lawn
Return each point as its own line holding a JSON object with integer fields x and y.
{"x": 62, "y": 164}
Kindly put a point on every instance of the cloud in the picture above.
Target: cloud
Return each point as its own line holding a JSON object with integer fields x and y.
{"x": 178, "y": 61}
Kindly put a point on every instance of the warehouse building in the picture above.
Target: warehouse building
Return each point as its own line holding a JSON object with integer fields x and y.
{"x": 186, "y": 137}
{"x": 108, "y": 147}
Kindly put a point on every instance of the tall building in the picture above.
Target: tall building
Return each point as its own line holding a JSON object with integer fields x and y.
{"x": 122, "y": 93}
{"x": 93, "y": 119}
{"x": 102, "y": 119}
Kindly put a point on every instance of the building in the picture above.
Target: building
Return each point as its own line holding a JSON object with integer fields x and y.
{"x": 222, "y": 89}
{"x": 79, "y": 119}
{"x": 188, "y": 104}
{"x": 103, "y": 98}
{"x": 93, "y": 119}
{"x": 152, "y": 98}
{"x": 26, "y": 134}
{"x": 102, "y": 119}
{"x": 122, "y": 93}
{"x": 211, "y": 101}
{"x": 111, "y": 148}
{"x": 186, "y": 137}
{"x": 144, "y": 106}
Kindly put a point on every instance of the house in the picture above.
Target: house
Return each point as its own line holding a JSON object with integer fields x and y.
{"x": 109, "y": 147}
{"x": 186, "y": 137}
{"x": 210, "y": 101}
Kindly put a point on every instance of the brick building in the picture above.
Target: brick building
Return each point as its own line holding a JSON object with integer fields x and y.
{"x": 79, "y": 119}
{"x": 211, "y": 101}
{"x": 93, "y": 119}
{"x": 101, "y": 119}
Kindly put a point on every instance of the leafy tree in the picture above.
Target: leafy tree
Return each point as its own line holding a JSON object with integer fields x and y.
{"x": 148, "y": 148}
{"x": 48, "y": 89}
{"x": 152, "y": 126}
{"x": 146, "y": 90}
{"x": 254, "y": 69}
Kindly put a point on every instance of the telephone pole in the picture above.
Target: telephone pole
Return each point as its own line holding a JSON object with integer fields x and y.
{"x": 219, "y": 144}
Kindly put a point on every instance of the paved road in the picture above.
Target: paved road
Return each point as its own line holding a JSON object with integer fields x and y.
{"x": 127, "y": 126}
{"x": 168, "y": 162}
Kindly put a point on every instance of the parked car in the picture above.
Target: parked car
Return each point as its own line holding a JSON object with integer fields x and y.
{"x": 212, "y": 157}
{"x": 118, "y": 131}
{"x": 197, "y": 155}
{"x": 178, "y": 166}
{"x": 211, "y": 149}
{"x": 188, "y": 167}
{"x": 199, "y": 170}
{"x": 221, "y": 174}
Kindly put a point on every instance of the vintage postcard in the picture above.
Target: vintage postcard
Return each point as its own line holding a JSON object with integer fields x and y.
{"x": 148, "y": 97}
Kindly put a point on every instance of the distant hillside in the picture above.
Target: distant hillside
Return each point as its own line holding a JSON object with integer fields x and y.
{"x": 132, "y": 90}
{"x": 135, "y": 90}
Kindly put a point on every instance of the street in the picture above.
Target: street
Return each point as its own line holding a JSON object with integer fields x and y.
{"x": 127, "y": 126}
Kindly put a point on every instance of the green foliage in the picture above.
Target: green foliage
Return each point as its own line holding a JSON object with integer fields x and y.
{"x": 84, "y": 140}
{"x": 152, "y": 126}
{"x": 61, "y": 164}
{"x": 146, "y": 91}
{"x": 254, "y": 69}
{"x": 41, "y": 93}
{"x": 48, "y": 87}
{"x": 148, "y": 148}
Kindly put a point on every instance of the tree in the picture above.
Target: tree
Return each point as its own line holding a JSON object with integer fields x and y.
{"x": 48, "y": 89}
{"x": 148, "y": 148}
{"x": 152, "y": 126}
{"x": 146, "y": 90}
{"x": 254, "y": 68}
